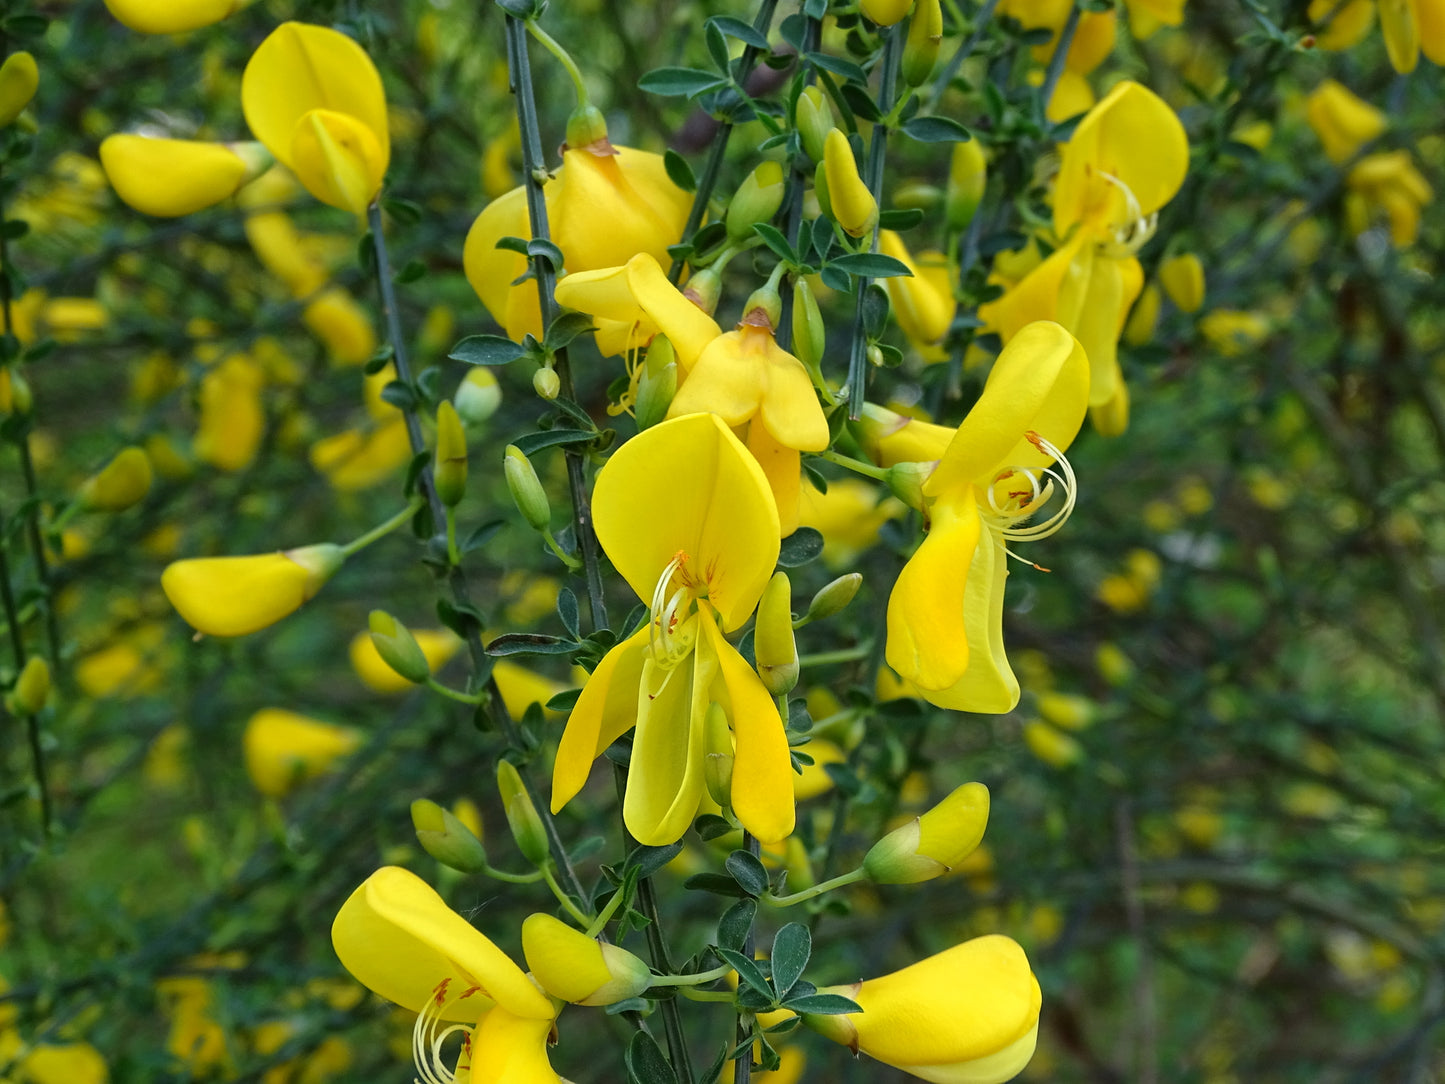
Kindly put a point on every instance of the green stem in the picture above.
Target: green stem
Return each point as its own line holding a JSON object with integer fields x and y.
{"x": 584, "y": 920}
{"x": 32, "y": 722}
{"x": 455, "y": 694}
{"x": 980, "y": 24}
{"x": 382, "y": 530}
{"x": 856, "y": 465}
{"x": 562, "y": 555}
{"x": 532, "y": 165}
{"x": 512, "y": 878}
{"x": 852, "y": 877}
{"x": 696, "y": 979}
{"x": 705, "y": 995}
{"x": 605, "y": 915}
{"x": 743, "y": 1066}
{"x": 454, "y": 557}
{"x": 829, "y": 658}
{"x": 564, "y": 58}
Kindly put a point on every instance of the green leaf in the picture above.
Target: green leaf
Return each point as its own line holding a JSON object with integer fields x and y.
{"x": 26, "y": 26}
{"x": 543, "y": 249}
{"x": 748, "y": 872}
{"x": 567, "y": 610}
{"x": 646, "y": 1063}
{"x": 413, "y": 270}
{"x": 463, "y": 619}
{"x": 838, "y": 66}
{"x": 710, "y": 826}
{"x": 735, "y": 925}
{"x": 872, "y": 265}
{"x": 792, "y": 947}
{"x": 566, "y": 328}
{"x": 749, "y": 973}
{"x": 399, "y": 395}
{"x": 716, "y": 883}
{"x": 530, "y": 643}
{"x": 736, "y": 28}
{"x": 648, "y": 860}
{"x": 936, "y": 130}
{"x": 823, "y": 1004}
{"x": 486, "y": 350}
{"x": 679, "y": 171}
{"x": 533, "y": 443}
{"x": 774, "y": 239}
{"x": 802, "y": 546}
{"x": 15, "y": 228}
{"x": 717, "y": 46}
{"x": 680, "y": 82}
{"x": 404, "y": 211}
{"x": 900, "y": 219}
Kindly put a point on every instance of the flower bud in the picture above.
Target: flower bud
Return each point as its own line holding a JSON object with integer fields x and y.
{"x": 233, "y": 596}
{"x": 19, "y": 77}
{"x": 773, "y": 644}
{"x": 574, "y": 967}
{"x": 813, "y": 117}
{"x": 1068, "y": 710}
{"x": 967, "y": 179}
{"x": 1113, "y": 665}
{"x": 704, "y": 289}
{"x": 449, "y": 473}
{"x": 834, "y": 597}
{"x": 122, "y": 482}
{"x": 172, "y": 177}
{"x": 764, "y": 304}
{"x": 886, "y": 12}
{"x": 546, "y": 383}
{"x": 820, "y": 189}
{"x": 32, "y": 688}
{"x": 718, "y": 767}
{"x": 810, "y": 335}
{"x": 19, "y": 400}
{"x": 398, "y": 647}
{"x": 522, "y": 815}
{"x": 586, "y": 126}
{"x": 920, "y": 48}
{"x": 853, "y": 206}
{"x": 173, "y": 16}
{"x": 446, "y": 838}
{"x": 657, "y": 384}
{"x": 477, "y": 397}
{"x": 930, "y": 845}
{"x": 1052, "y": 746}
{"x": 756, "y": 200}
{"x": 527, "y": 492}
{"x": 282, "y": 748}
{"x": 1182, "y": 277}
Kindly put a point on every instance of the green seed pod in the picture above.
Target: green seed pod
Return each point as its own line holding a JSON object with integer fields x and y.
{"x": 398, "y": 647}
{"x": 833, "y": 598}
{"x": 810, "y": 335}
{"x": 527, "y": 492}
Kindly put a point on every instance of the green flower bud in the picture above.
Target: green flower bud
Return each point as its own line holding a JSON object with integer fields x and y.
{"x": 446, "y": 838}
{"x": 773, "y": 644}
{"x": 906, "y": 480}
{"x": 756, "y": 200}
{"x": 527, "y": 492}
{"x": 813, "y": 117}
{"x": 586, "y": 126}
{"x": 658, "y": 383}
{"x": 810, "y": 335}
{"x": 546, "y": 383}
{"x": 930, "y": 845}
{"x": 122, "y": 482}
{"x": 32, "y": 688}
{"x": 449, "y": 471}
{"x": 398, "y": 647}
{"x": 834, "y": 597}
{"x": 477, "y": 397}
{"x": 967, "y": 178}
{"x": 764, "y": 307}
{"x": 717, "y": 768}
{"x": 1068, "y": 710}
{"x": 522, "y": 815}
{"x": 704, "y": 289}
{"x": 920, "y": 48}
{"x": 22, "y": 399}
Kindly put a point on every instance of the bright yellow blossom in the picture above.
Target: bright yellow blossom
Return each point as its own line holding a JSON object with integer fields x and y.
{"x": 233, "y": 596}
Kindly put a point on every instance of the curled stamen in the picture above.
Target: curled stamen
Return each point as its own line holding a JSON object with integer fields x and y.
{"x": 428, "y": 1035}
{"x": 1129, "y": 238}
{"x": 1026, "y": 502}
{"x": 671, "y": 636}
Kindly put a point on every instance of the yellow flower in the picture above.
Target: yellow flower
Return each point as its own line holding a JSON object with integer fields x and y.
{"x": 687, "y": 518}
{"x": 398, "y": 938}
{"x": 1182, "y": 277}
{"x": 314, "y": 98}
{"x": 1147, "y": 16}
{"x": 233, "y": 596}
{"x": 1410, "y": 26}
{"x": 68, "y": 1063}
{"x": 1343, "y": 122}
{"x": 853, "y": 205}
{"x": 968, "y": 1014}
{"x": 19, "y": 78}
{"x": 122, "y": 482}
{"x": 1126, "y": 160}
{"x": 356, "y": 459}
{"x": 172, "y": 16}
{"x": 232, "y": 421}
{"x": 848, "y": 516}
{"x": 945, "y": 615}
{"x": 604, "y": 206}
{"x": 1390, "y": 182}
{"x": 170, "y": 177}
{"x": 1349, "y": 22}
{"x": 574, "y": 967}
{"x": 934, "y": 843}
{"x": 923, "y": 304}
{"x": 283, "y": 749}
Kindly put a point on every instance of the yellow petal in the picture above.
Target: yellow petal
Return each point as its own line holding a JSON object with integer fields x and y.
{"x": 762, "y": 786}
{"x": 927, "y": 638}
{"x": 19, "y": 79}
{"x": 1182, "y": 277}
{"x": 1343, "y": 122}
{"x": 301, "y": 67}
{"x": 891, "y": 438}
{"x": 1431, "y": 18}
{"x": 969, "y": 1002}
{"x": 171, "y": 16}
{"x": 1133, "y": 136}
{"x": 1101, "y": 316}
{"x": 508, "y": 1049}
{"x": 1401, "y": 31}
{"x": 728, "y": 380}
{"x": 342, "y": 325}
{"x": 233, "y": 596}
{"x": 1040, "y": 382}
{"x": 665, "y": 778}
{"x": 169, "y": 177}
{"x": 686, "y": 326}
{"x": 923, "y": 310}
{"x": 400, "y": 939}
{"x": 605, "y": 208}
{"x": 606, "y": 709}
{"x": 783, "y": 468}
{"x": 564, "y": 960}
{"x": 1350, "y": 23}
{"x": 338, "y": 159}
{"x": 283, "y": 748}
{"x": 232, "y": 420}
{"x": 492, "y": 270}
{"x": 688, "y": 485}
